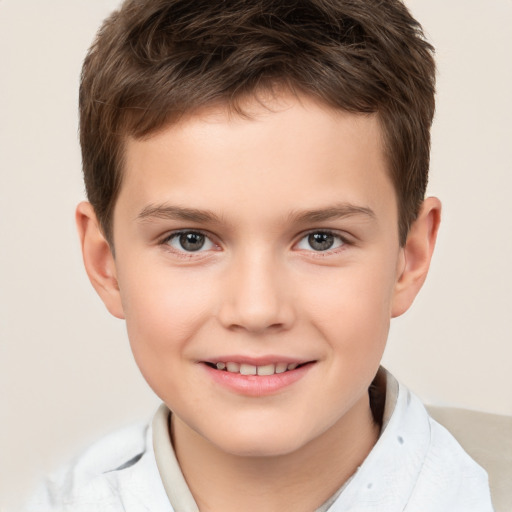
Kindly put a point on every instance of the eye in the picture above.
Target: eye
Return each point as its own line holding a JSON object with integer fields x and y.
{"x": 321, "y": 241}
{"x": 189, "y": 241}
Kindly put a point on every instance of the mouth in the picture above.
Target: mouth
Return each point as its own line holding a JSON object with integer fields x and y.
{"x": 250, "y": 369}
{"x": 256, "y": 377}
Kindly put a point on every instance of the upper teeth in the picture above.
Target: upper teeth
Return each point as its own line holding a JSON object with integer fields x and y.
{"x": 249, "y": 369}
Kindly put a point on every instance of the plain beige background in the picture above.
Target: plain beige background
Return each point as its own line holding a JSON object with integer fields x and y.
{"x": 66, "y": 372}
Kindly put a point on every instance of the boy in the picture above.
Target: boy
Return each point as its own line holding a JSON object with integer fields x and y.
{"x": 256, "y": 173}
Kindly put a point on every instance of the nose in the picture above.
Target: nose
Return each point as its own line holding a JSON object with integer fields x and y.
{"x": 257, "y": 296}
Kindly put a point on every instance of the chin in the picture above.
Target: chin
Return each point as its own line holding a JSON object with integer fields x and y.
{"x": 261, "y": 442}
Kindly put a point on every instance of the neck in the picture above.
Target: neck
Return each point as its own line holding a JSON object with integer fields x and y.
{"x": 300, "y": 481}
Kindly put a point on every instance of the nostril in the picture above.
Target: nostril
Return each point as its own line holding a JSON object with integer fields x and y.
{"x": 256, "y": 327}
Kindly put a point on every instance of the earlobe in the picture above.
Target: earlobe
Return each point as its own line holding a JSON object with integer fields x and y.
{"x": 98, "y": 259}
{"x": 417, "y": 254}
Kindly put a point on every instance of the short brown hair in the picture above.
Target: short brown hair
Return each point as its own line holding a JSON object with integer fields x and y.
{"x": 155, "y": 60}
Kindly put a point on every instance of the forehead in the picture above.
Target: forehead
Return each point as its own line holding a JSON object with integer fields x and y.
{"x": 288, "y": 152}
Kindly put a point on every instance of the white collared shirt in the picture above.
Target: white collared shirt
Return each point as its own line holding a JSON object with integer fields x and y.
{"x": 415, "y": 466}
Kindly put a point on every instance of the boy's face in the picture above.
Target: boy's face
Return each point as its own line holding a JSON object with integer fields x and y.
{"x": 264, "y": 241}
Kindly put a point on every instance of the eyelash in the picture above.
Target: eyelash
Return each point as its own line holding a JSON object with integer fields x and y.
{"x": 190, "y": 254}
{"x": 183, "y": 253}
{"x": 344, "y": 242}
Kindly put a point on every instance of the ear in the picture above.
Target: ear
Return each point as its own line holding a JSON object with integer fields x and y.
{"x": 416, "y": 255}
{"x": 98, "y": 259}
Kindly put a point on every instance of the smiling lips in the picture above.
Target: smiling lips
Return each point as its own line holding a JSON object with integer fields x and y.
{"x": 249, "y": 369}
{"x": 257, "y": 380}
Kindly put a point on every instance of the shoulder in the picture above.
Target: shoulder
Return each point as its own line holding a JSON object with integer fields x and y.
{"x": 111, "y": 452}
{"x": 415, "y": 466}
{"x": 487, "y": 438}
{"x": 448, "y": 478}
{"x": 117, "y": 473}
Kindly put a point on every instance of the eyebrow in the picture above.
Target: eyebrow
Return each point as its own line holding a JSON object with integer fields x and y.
{"x": 331, "y": 213}
{"x": 173, "y": 212}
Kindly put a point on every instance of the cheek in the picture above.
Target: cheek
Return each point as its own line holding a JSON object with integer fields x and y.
{"x": 159, "y": 298}
{"x": 353, "y": 308}
{"x": 163, "y": 310}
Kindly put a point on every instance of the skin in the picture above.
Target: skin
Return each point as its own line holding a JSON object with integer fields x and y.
{"x": 259, "y": 289}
